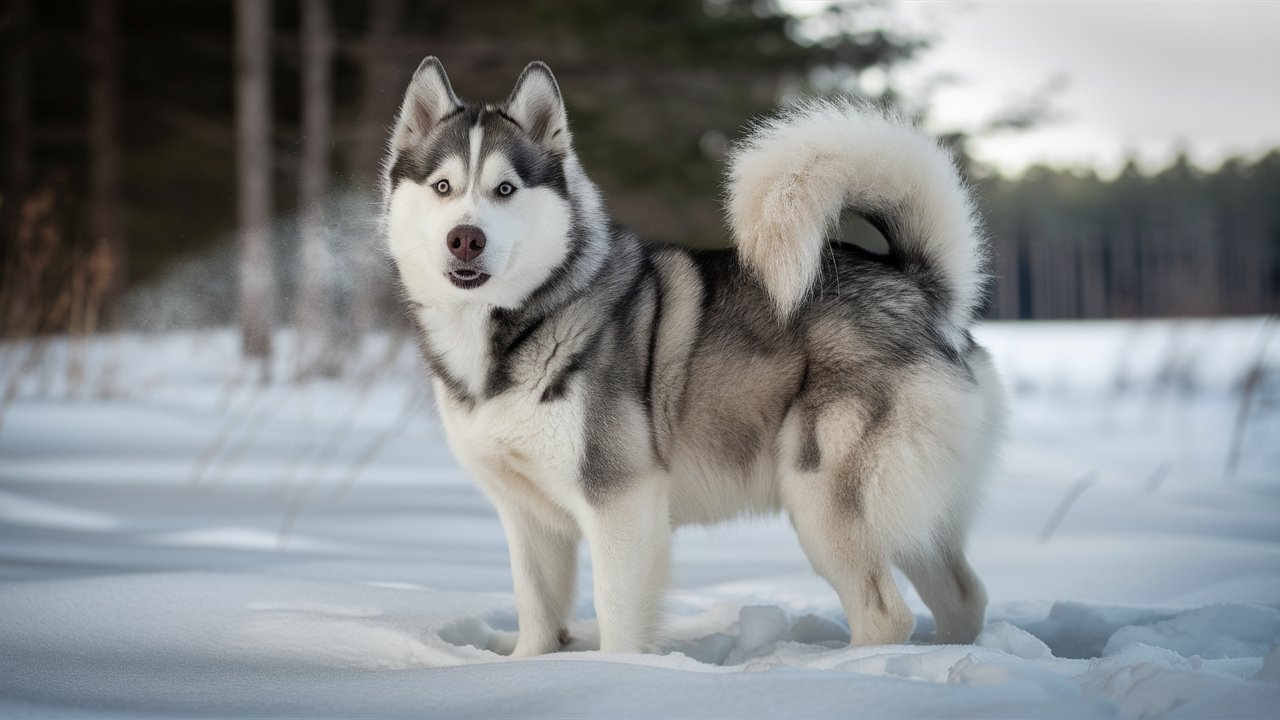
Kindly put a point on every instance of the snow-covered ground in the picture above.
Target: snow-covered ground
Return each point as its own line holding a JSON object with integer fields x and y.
{"x": 178, "y": 539}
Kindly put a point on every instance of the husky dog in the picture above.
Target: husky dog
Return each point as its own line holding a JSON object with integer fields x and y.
{"x": 598, "y": 387}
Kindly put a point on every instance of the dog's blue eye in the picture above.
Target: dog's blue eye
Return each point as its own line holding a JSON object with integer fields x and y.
{"x": 442, "y": 187}
{"x": 506, "y": 189}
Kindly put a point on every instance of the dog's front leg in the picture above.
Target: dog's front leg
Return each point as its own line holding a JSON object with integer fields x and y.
{"x": 543, "y": 568}
{"x": 629, "y": 535}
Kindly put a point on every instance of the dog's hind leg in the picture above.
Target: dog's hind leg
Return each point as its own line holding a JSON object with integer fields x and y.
{"x": 845, "y": 555}
{"x": 950, "y": 588}
{"x": 843, "y": 548}
{"x": 828, "y": 485}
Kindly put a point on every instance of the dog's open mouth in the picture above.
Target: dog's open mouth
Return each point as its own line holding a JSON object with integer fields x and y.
{"x": 466, "y": 278}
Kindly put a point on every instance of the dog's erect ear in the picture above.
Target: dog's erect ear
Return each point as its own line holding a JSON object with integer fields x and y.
{"x": 428, "y": 99}
{"x": 536, "y": 104}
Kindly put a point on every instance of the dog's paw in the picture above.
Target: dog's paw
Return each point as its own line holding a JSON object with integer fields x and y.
{"x": 540, "y": 644}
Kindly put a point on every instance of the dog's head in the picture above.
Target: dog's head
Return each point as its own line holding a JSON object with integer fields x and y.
{"x": 478, "y": 203}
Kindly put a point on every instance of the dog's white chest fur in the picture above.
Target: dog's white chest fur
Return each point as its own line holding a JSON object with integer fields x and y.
{"x": 460, "y": 337}
{"x": 513, "y": 444}
{"x": 516, "y": 446}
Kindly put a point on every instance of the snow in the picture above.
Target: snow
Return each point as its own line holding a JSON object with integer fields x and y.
{"x": 177, "y": 538}
{"x": 243, "y": 538}
{"x": 1013, "y": 640}
{"x": 15, "y": 508}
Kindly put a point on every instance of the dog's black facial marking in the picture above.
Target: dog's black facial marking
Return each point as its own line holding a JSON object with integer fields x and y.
{"x": 502, "y": 114}
{"x": 450, "y": 139}
{"x": 534, "y": 165}
{"x": 538, "y": 168}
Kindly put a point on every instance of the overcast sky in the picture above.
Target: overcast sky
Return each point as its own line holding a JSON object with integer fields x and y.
{"x": 1141, "y": 78}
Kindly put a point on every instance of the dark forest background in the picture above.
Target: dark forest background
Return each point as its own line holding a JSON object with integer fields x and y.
{"x": 177, "y": 163}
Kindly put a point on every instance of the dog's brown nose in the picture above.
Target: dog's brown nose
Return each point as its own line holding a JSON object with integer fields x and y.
{"x": 466, "y": 242}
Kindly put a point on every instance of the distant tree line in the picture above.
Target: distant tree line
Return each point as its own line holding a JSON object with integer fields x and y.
{"x": 1178, "y": 242}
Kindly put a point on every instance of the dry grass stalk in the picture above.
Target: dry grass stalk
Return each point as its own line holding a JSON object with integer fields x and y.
{"x": 51, "y": 286}
{"x": 1248, "y": 391}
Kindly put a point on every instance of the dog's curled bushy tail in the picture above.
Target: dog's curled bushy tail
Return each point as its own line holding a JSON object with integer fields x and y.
{"x": 793, "y": 176}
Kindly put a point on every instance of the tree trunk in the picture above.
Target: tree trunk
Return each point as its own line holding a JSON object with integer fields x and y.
{"x": 383, "y": 78}
{"x": 13, "y": 40}
{"x": 18, "y": 110}
{"x": 315, "y": 304}
{"x": 1007, "y": 280}
{"x": 253, "y": 169}
{"x": 104, "y": 144}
